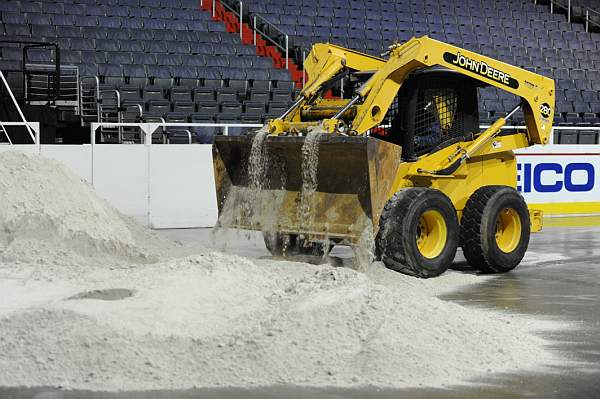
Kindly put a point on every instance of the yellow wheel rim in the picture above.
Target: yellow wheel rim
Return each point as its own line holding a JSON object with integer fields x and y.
{"x": 432, "y": 234}
{"x": 508, "y": 230}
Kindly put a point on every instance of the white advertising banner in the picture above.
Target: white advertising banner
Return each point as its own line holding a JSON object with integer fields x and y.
{"x": 564, "y": 177}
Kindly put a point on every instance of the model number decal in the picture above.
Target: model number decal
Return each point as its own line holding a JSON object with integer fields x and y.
{"x": 552, "y": 177}
{"x": 545, "y": 110}
{"x": 481, "y": 68}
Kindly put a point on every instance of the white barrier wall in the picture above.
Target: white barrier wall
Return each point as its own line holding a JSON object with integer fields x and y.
{"x": 120, "y": 173}
{"x": 182, "y": 186}
{"x": 560, "y": 179}
{"x": 163, "y": 186}
{"x": 75, "y": 157}
{"x": 172, "y": 186}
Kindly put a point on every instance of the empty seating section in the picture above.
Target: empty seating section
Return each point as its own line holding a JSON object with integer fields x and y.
{"x": 166, "y": 55}
{"x": 168, "y": 59}
{"x": 515, "y": 31}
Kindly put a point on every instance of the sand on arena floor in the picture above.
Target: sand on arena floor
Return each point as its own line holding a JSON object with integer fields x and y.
{"x": 201, "y": 318}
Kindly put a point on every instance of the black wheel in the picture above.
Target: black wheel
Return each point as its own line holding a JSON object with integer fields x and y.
{"x": 280, "y": 244}
{"x": 495, "y": 229}
{"x": 418, "y": 232}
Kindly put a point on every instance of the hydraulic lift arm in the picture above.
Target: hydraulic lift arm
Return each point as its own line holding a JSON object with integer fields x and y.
{"x": 536, "y": 91}
{"x": 375, "y": 96}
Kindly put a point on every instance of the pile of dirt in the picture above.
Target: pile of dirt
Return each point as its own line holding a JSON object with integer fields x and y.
{"x": 213, "y": 319}
{"x": 49, "y": 215}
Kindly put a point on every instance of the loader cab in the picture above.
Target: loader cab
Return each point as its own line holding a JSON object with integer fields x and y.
{"x": 434, "y": 108}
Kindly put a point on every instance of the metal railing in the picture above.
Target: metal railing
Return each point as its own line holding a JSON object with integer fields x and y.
{"x": 32, "y": 127}
{"x": 254, "y": 23}
{"x": 238, "y": 13}
{"x": 588, "y": 20}
{"x": 51, "y": 74}
{"x": 258, "y": 19}
{"x": 554, "y": 129}
{"x": 34, "y": 134}
{"x": 39, "y": 85}
{"x": 89, "y": 92}
{"x": 568, "y": 7}
{"x": 149, "y": 129}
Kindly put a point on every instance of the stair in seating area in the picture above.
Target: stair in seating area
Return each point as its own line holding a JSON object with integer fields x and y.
{"x": 263, "y": 49}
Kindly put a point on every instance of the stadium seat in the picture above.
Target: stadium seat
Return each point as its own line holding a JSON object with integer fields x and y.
{"x": 567, "y": 137}
{"x": 227, "y": 95}
{"x": 208, "y": 108}
{"x": 152, "y": 93}
{"x": 185, "y": 107}
{"x": 130, "y": 93}
{"x": 158, "y": 107}
{"x": 203, "y": 94}
{"x": 255, "y": 109}
{"x": 231, "y": 108}
{"x": 587, "y": 137}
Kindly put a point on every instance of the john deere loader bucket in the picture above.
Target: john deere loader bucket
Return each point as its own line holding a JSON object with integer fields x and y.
{"x": 272, "y": 193}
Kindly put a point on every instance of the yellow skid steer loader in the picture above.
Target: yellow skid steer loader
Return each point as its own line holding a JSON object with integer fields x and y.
{"x": 402, "y": 159}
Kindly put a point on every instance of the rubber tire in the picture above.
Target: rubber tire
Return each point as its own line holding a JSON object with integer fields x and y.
{"x": 395, "y": 242}
{"x": 279, "y": 244}
{"x": 478, "y": 228}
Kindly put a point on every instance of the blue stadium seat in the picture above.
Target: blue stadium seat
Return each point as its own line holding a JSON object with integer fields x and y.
{"x": 26, "y": 7}
{"x": 156, "y": 47}
{"x": 96, "y": 10}
{"x": 70, "y": 57}
{"x": 74, "y": 9}
{"x": 139, "y": 12}
{"x": 17, "y": 30}
{"x": 130, "y": 93}
{"x": 87, "y": 69}
{"x": 184, "y": 107}
{"x": 169, "y": 59}
{"x": 177, "y": 47}
{"x": 152, "y": 24}
{"x": 106, "y": 45}
{"x": 162, "y": 34}
{"x": 53, "y": 8}
{"x": 179, "y": 14}
{"x": 84, "y": 20}
{"x": 134, "y": 74}
{"x": 14, "y": 18}
{"x": 131, "y": 45}
{"x": 186, "y": 36}
{"x": 151, "y": 92}
{"x": 144, "y": 59}
{"x": 82, "y": 44}
{"x": 227, "y": 95}
{"x": 203, "y": 135}
{"x": 92, "y": 56}
{"x": 119, "y": 58}
{"x": 41, "y": 31}
{"x": 109, "y": 22}
{"x": 159, "y": 107}
{"x": 109, "y": 70}
{"x": 61, "y": 19}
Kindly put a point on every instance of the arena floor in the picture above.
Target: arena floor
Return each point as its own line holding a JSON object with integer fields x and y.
{"x": 563, "y": 285}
